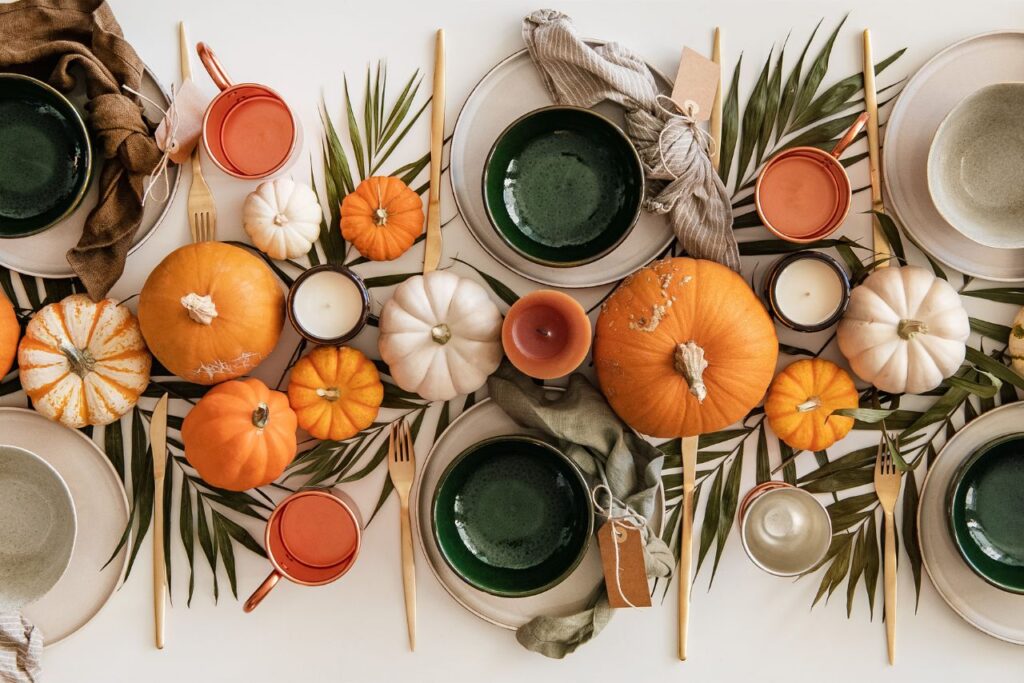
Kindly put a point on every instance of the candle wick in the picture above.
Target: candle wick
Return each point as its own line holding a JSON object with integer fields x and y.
{"x": 543, "y": 331}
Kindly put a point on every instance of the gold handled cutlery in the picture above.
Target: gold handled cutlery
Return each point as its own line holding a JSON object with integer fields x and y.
{"x": 689, "y": 448}
{"x": 432, "y": 247}
{"x": 158, "y": 442}
{"x": 881, "y": 245}
{"x": 202, "y": 212}
{"x": 887, "y": 487}
{"x": 402, "y": 470}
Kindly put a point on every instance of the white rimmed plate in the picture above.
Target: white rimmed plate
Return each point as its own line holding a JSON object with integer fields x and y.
{"x": 995, "y": 612}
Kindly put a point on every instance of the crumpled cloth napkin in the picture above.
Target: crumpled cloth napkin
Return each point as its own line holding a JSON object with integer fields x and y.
{"x": 674, "y": 150}
{"x": 586, "y": 429}
{"x": 45, "y": 39}
{"x": 21, "y": 646}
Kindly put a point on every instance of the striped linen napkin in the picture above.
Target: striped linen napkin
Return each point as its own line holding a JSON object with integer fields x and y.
{"x": 21, "y": 646}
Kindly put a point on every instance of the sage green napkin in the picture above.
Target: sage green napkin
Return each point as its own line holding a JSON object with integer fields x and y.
{"x": 584, "y": 426}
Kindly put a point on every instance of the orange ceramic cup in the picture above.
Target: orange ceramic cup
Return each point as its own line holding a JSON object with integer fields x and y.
{"x": 313, "y": 537}
{"x": 803, "y": 194}
{"x": 248, "y": 129}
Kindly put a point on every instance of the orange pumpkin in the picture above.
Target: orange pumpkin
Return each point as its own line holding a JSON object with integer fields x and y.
{"x": 382, "y": 218}
{"x": 9, "y": 333}
{"x": 801, "y": 400}
{"x": 336, "y": 392}
{"x": 211, "y": 312}
{"x": 684, "y": 347}
{"x": 240, "y": 435}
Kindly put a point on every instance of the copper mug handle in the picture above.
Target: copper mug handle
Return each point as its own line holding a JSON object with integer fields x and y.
{"x": 264, "y": 589}
{"x": 847, "y": 138}
{"x": 213, "y": 67}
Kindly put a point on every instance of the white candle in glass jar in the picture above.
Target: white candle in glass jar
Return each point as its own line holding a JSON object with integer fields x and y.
{"x": 808, "y": 291}
{"x": 327, "y": 305}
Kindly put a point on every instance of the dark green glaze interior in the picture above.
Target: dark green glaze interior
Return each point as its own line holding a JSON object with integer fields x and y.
{"x": 512, "y": 516}
{"x": 987, "y": 512}
{"x": 45, "y": 156}
{"x": 563, "y": 186}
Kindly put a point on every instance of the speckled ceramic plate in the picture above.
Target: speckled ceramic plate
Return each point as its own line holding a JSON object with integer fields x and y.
{"x": 485, "y": 420}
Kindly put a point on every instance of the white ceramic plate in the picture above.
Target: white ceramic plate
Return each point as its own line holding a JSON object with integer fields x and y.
{"x": 44, "y": 255}
{"x": 484, "y": 420}
{"x": 949, "y": 77}
{"x": 102, "y": 509}
{"x": 509, "y": 90}
{"x": 996, "y": 612}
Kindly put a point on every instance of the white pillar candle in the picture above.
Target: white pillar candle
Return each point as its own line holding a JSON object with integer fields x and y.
{"x": 808, "y": 291}
{"x": 327, "y": 305}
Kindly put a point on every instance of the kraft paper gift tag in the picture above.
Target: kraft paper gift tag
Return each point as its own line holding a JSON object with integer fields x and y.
{"x": 696, "y": 84}
{"x": 622, "y": 558}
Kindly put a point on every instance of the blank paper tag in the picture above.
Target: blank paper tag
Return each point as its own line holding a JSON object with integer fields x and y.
{"x": 631, "y": 589}
{"x": 696, "y": 83}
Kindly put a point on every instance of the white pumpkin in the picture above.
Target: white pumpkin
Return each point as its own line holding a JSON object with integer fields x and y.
{"x": 282, "y": 218}
{"x": 83, "y": 362}
{"x": 1015, "y": 344}
{"x": 905, "y": 330}
{"x": 441, "y": 335}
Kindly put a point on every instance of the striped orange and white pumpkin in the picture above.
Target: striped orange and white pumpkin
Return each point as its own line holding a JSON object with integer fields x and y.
{"x": 83, "y": 362}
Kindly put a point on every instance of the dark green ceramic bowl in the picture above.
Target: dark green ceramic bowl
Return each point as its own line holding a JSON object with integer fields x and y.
{"x": 986, "y": 512}
{"x": 512, "y": 516}
{"x": 45, "y": 156}
{"x": 563, "y": 186}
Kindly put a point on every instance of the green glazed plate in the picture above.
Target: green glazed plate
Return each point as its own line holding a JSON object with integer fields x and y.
{"x": 986, "y": 512}
{"x": 45, "y": 156}
{"x": 512, "y": 516}
{"x": 563, "y": 186}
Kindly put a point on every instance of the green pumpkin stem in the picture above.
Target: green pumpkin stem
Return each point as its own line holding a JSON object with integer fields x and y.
{"x": 261, "y": 416}
{"x": 689, "y": 362}
{"x": 441, "y": 333}
{"x": 82, "y": 362}
{"x": 907, "y": 329}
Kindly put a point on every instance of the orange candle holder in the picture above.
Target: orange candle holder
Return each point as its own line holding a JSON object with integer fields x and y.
{"x": 546, "y": 334}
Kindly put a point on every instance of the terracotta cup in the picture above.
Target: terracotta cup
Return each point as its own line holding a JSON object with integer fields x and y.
{"x": 803, "y": 194}
{"x": 313, "y": 537}
{"x": 249, "y": 130}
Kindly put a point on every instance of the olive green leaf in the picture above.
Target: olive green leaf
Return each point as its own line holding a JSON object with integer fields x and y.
{"x": 730, "y": 123}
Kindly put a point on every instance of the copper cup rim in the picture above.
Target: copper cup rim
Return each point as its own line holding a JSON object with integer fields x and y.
{"x": 342, "y": 566}
{"x": 845, "y": 190}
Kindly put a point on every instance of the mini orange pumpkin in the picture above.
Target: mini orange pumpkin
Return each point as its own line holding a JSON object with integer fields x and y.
{"x": 801, "y": 400}
{"x": 382, "y": 218}
{"x": 336, "y": 392}
{"x": 9, "y": 333}
{"x": 684, "y": 347}
{"x": 240, "y": 435}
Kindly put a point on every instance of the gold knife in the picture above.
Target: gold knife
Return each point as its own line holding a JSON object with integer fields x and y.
{"x": 689, "y": 449}
{"x": 158, "y": 443}
{"x": 881, "y": 244}
{"x": 716, "y": 107}
{"x": 432, "y": 248}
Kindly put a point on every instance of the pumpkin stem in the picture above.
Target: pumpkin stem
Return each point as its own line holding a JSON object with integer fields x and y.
{"x": 906, "y": 329}
{"x": 440, "y": 333}
{"x": 813, "y": 403}
{"x": 329, "y": 393}
{"x": 690, "y": 363}
{"x": 82, "y": 362}
{"x": 380, "y": 217}
{"x": 261, "y": 416}
{"x": 280, "y": 219}
{"x": 200, "y": 308}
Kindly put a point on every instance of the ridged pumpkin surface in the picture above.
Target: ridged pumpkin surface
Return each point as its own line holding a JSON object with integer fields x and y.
{"x": 801, "y": 400}
{"x": 654, "y": 332}
{"x": 382, "y": 218}
{"x": 9, "y": 333}
{"x": 335, "y": 392}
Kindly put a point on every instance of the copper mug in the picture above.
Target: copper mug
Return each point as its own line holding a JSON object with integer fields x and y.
{"x": 803, "y": 194}
{"x": 249, "y": 131}
{"x": 312, "y": 538}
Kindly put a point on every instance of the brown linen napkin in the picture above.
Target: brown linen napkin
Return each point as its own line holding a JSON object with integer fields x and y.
{"x": 46, "y": 38}
{"x": 21, "y": 646}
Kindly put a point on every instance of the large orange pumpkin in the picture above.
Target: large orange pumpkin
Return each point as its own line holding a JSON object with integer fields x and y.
{"x": 382, "y": 218}
{"x": 240, "y": 435}
{"x": 801, "y": 400}
{"x": 9, "y": 332}
{"x": 684, "y": 347}
{"x": 336, "y": 392}
{"x": 211, "y": 312}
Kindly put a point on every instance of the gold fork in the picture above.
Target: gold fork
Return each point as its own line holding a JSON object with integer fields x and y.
{"x": 887, "y": 488}
{"x": 402, "y": 469}
{"x": 202, "y": 212}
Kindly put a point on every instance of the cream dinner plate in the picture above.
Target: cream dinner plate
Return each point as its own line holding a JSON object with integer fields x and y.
{"x": 102, "y": 509}
{"x": 509, "y": 90}
{"x": 482, "y": 421}
{"x": 939, "y": 85}
{"x": 43, "y": 254}
{"x": 996, "y": 612}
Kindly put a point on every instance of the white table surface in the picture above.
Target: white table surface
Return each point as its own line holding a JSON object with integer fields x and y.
{"x": 749, "y": 626}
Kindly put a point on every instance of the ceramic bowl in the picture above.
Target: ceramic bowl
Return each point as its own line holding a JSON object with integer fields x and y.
{"x": 785, "y": 530}
{"x": 976, "y": 166}
{"x": 512, "y": 516}
{"x": 37, "y": 527}
{"x": 985, "y": 500}
{"x": 45, "y": 156}
{"x": 563, "y": 186}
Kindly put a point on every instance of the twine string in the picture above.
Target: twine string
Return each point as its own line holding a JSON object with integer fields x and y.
{"x": 162, "y": 169}
{"x": 621, "y": 523}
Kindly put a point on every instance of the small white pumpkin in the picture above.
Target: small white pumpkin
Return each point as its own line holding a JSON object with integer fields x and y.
{"x": 282, "y": 218}
{"x": 905, "y": 330}
{"x": 1015, "y": 344}
{"x": 440, "y": 335}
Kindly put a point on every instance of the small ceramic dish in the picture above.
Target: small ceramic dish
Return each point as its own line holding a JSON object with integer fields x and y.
{"x": 976, "y": 166}
{"x": 785, "y": 530}
{"x": 512, "y": 516}
{"x": 563, "y": 186}
{"x": 985, "y": 500}
{"x": 37, "y": 527}
{"x": 45, "y": 156}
